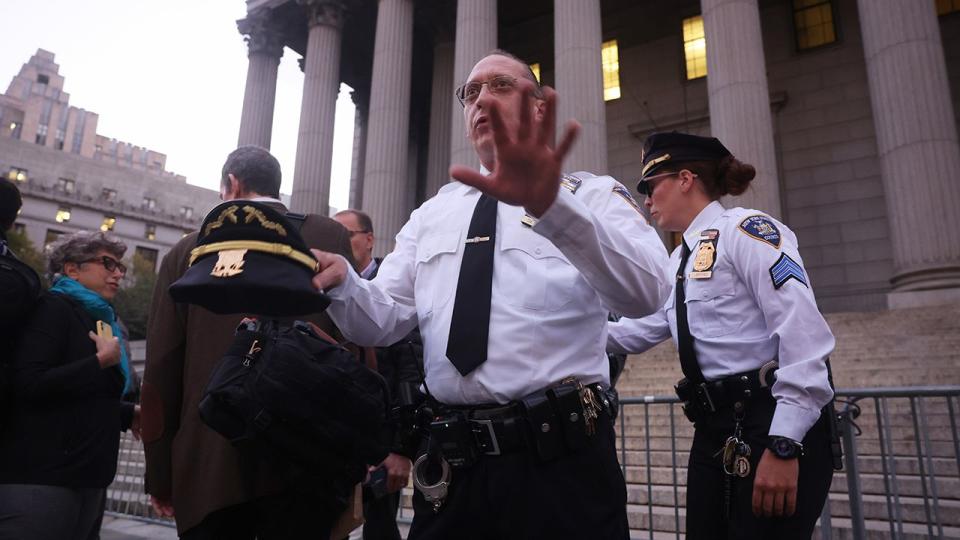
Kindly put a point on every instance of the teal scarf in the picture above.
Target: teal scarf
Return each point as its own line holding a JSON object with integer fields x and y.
{"x": 99, "y": 309}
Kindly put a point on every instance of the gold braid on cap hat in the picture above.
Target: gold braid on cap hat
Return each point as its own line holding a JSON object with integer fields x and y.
{"x": 271, "y": 248}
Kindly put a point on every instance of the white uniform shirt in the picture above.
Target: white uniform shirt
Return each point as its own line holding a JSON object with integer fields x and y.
{"x": 552, "y": 287}
{"x": 755, "y": 307}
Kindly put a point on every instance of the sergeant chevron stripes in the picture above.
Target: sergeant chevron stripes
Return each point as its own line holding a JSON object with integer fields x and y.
{"x": 784, "y": 269}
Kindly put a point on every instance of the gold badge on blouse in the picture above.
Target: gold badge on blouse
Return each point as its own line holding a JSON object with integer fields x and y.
{"x": 706, "y": 256}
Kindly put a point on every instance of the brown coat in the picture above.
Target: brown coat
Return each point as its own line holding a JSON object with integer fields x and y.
{"x": 188, "y": 463}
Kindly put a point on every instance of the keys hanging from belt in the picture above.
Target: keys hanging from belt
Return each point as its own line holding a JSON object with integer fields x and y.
{"x": 591, "y": 406}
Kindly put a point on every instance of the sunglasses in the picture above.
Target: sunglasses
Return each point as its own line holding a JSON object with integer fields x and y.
{"x": 109, "y": 264}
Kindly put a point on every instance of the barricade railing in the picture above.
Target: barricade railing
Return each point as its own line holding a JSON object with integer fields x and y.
{"x": 901, "y": 476}
{"x": 903, "y": 443}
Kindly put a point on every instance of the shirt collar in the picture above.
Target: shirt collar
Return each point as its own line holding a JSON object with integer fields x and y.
{"x": 365, "y": 273}
{"x": 704, "y": 219}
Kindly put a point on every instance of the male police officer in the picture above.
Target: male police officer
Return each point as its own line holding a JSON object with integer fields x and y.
{"x": 512, "y": 305}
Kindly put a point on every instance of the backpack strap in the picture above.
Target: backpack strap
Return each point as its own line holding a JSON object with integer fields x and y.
{"x": 297, "y": 219}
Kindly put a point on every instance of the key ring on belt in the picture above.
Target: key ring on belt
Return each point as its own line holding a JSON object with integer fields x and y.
{"x": 436, "y": 493}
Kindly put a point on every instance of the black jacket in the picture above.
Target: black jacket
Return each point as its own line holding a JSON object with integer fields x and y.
{"x": 65, "y": 422}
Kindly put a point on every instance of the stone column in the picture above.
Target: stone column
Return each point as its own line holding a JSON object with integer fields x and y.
{"x": 388, "y": 121}
{"x": 476, "y": 36}
{"x": 441, "y": 94}
{"x": 918, "y": 148}
{"x": 577, "y": 42}
{"x": 359, "y": 149}
{"x": 321, "y": 84}
{"x": 265, "y": 46}
{"x": 739, "y": 97}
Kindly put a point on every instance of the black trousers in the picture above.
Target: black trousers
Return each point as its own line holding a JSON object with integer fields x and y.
{"x": 705, "y": 479}
{"x": 287, "y": 516}
{"x": 579, "y": 496}
{"x": 380, "y": 518}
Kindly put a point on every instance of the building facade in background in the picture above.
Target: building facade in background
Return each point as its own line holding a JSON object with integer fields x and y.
{"x": 848, "y": 109}
{"x": 73, "y": 178}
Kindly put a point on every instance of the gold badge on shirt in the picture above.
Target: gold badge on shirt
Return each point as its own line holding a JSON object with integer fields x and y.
{"x": 706, "y": 255}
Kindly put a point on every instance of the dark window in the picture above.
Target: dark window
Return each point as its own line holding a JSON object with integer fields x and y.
{"x": 947, "y": 6}
{"x": 66, "y": 185}
{"x": 41, "y": 138}
{"x": 147, "y": 256}
{"x": 813, "y": 23}
{"x": 108, "y": 194}
{"x": 43, "y": 79}
{"x": 149, "y": 203}
{"x": 186, "y": 212}
{"x": 51, "y": 237}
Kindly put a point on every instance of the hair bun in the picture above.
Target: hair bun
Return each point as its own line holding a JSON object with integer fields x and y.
{"x": 734, "y": 176}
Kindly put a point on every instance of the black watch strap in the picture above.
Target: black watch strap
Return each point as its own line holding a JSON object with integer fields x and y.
{"x": 785, "y": 448}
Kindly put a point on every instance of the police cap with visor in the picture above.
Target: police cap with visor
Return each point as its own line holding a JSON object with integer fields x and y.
{"x": 250, "y": 259}
{"x": 663, "y": 149}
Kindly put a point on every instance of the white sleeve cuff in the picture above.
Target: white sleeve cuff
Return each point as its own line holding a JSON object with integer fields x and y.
{"x": 348, "y": 287}
{"x": 792, "y": 422}
{"x": 565, "y": 217}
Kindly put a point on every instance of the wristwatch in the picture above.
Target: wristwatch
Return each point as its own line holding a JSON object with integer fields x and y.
{"x": 785, "y": 448}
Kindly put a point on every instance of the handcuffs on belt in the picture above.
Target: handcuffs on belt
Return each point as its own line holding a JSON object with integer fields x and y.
{"x": 435, "y": 493}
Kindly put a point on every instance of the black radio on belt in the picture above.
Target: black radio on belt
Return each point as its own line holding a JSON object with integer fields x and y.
{"x": 453, "y": 435}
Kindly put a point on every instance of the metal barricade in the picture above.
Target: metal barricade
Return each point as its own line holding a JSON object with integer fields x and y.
{"x": 901, "y": 476}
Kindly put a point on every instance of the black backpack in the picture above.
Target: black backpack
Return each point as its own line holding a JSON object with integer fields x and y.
{"x": 298, "y": 399}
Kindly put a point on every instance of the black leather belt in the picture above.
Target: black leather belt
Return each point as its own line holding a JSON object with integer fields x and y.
{"x": 710, "y": 396}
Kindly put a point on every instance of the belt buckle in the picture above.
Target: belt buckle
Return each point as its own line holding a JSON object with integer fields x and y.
{"x": 703, "y": 396}
{"x": 493, "y": 436}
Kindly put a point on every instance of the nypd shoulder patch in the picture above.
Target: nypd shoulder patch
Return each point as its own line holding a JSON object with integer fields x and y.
{"x": 763, "y": 229}
{"x": 623, "y": 193}
{"x": 784, "y": 269}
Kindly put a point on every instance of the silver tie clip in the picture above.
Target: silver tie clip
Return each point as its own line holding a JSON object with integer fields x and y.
{"x": 478, "y": 239}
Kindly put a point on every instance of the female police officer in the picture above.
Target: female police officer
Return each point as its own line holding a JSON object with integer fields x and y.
{"x": 753, "y": 348}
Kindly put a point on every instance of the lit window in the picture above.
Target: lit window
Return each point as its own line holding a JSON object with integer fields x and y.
{"x": 63, "y": 214}
{"x": 947, "y": 6}
{"x": 149, "y": 203}
{"x": 813, "y": 22}
{"x": 17, "y": 174}
{"x": 535, "y": 68}
{"x": 611, "y": 70}
{"x": 151, "y": 232}
{"x": 66, "y": 185}
{"x": 108, "y": 194}
{"x": 108, "y": 223}
{"x": 694, "y": 47}
{"x": 13, "y": 126}
{"x": 186, "y": 212}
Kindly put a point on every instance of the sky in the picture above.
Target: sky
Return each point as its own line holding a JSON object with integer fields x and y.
{"x": 167, "y": 75}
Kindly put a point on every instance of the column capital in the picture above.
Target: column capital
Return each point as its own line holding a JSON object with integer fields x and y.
{"x": 324, "y": 12}
{"x": 262, "y": 35}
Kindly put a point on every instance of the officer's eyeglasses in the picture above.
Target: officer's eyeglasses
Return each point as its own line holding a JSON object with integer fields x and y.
{"x": 109, "y": 264}
{"x": 500, "y": 85}
{"x": 353, "y": 233}
{"x": 646, "y": 186}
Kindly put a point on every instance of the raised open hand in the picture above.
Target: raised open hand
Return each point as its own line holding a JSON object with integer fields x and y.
{"x": 528, "y": 166}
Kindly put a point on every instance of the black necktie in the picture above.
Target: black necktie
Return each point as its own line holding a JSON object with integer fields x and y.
{"x": 470, "y": 326}
{"x": 688, "y": 357}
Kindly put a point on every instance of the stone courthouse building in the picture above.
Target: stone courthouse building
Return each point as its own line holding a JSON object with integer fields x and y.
{"x": 848, "y": 110}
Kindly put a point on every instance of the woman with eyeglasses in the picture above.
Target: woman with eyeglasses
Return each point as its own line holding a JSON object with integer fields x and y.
{"x": 60, "y": 438}
{"x": 752, "y": 344}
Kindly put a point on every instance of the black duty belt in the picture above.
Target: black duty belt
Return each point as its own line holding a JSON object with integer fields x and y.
{"x": 552, "y": 422}
{"x": 708, "y": 397}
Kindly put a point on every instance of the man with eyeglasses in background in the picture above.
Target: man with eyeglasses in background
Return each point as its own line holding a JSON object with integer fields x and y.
{"x": 400, "y": 365}
{"x": 510, "y": 272}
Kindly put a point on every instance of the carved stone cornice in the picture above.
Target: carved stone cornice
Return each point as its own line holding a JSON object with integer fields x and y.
{"x": 262, "y": 34}
{"x": 324, "y": 12}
